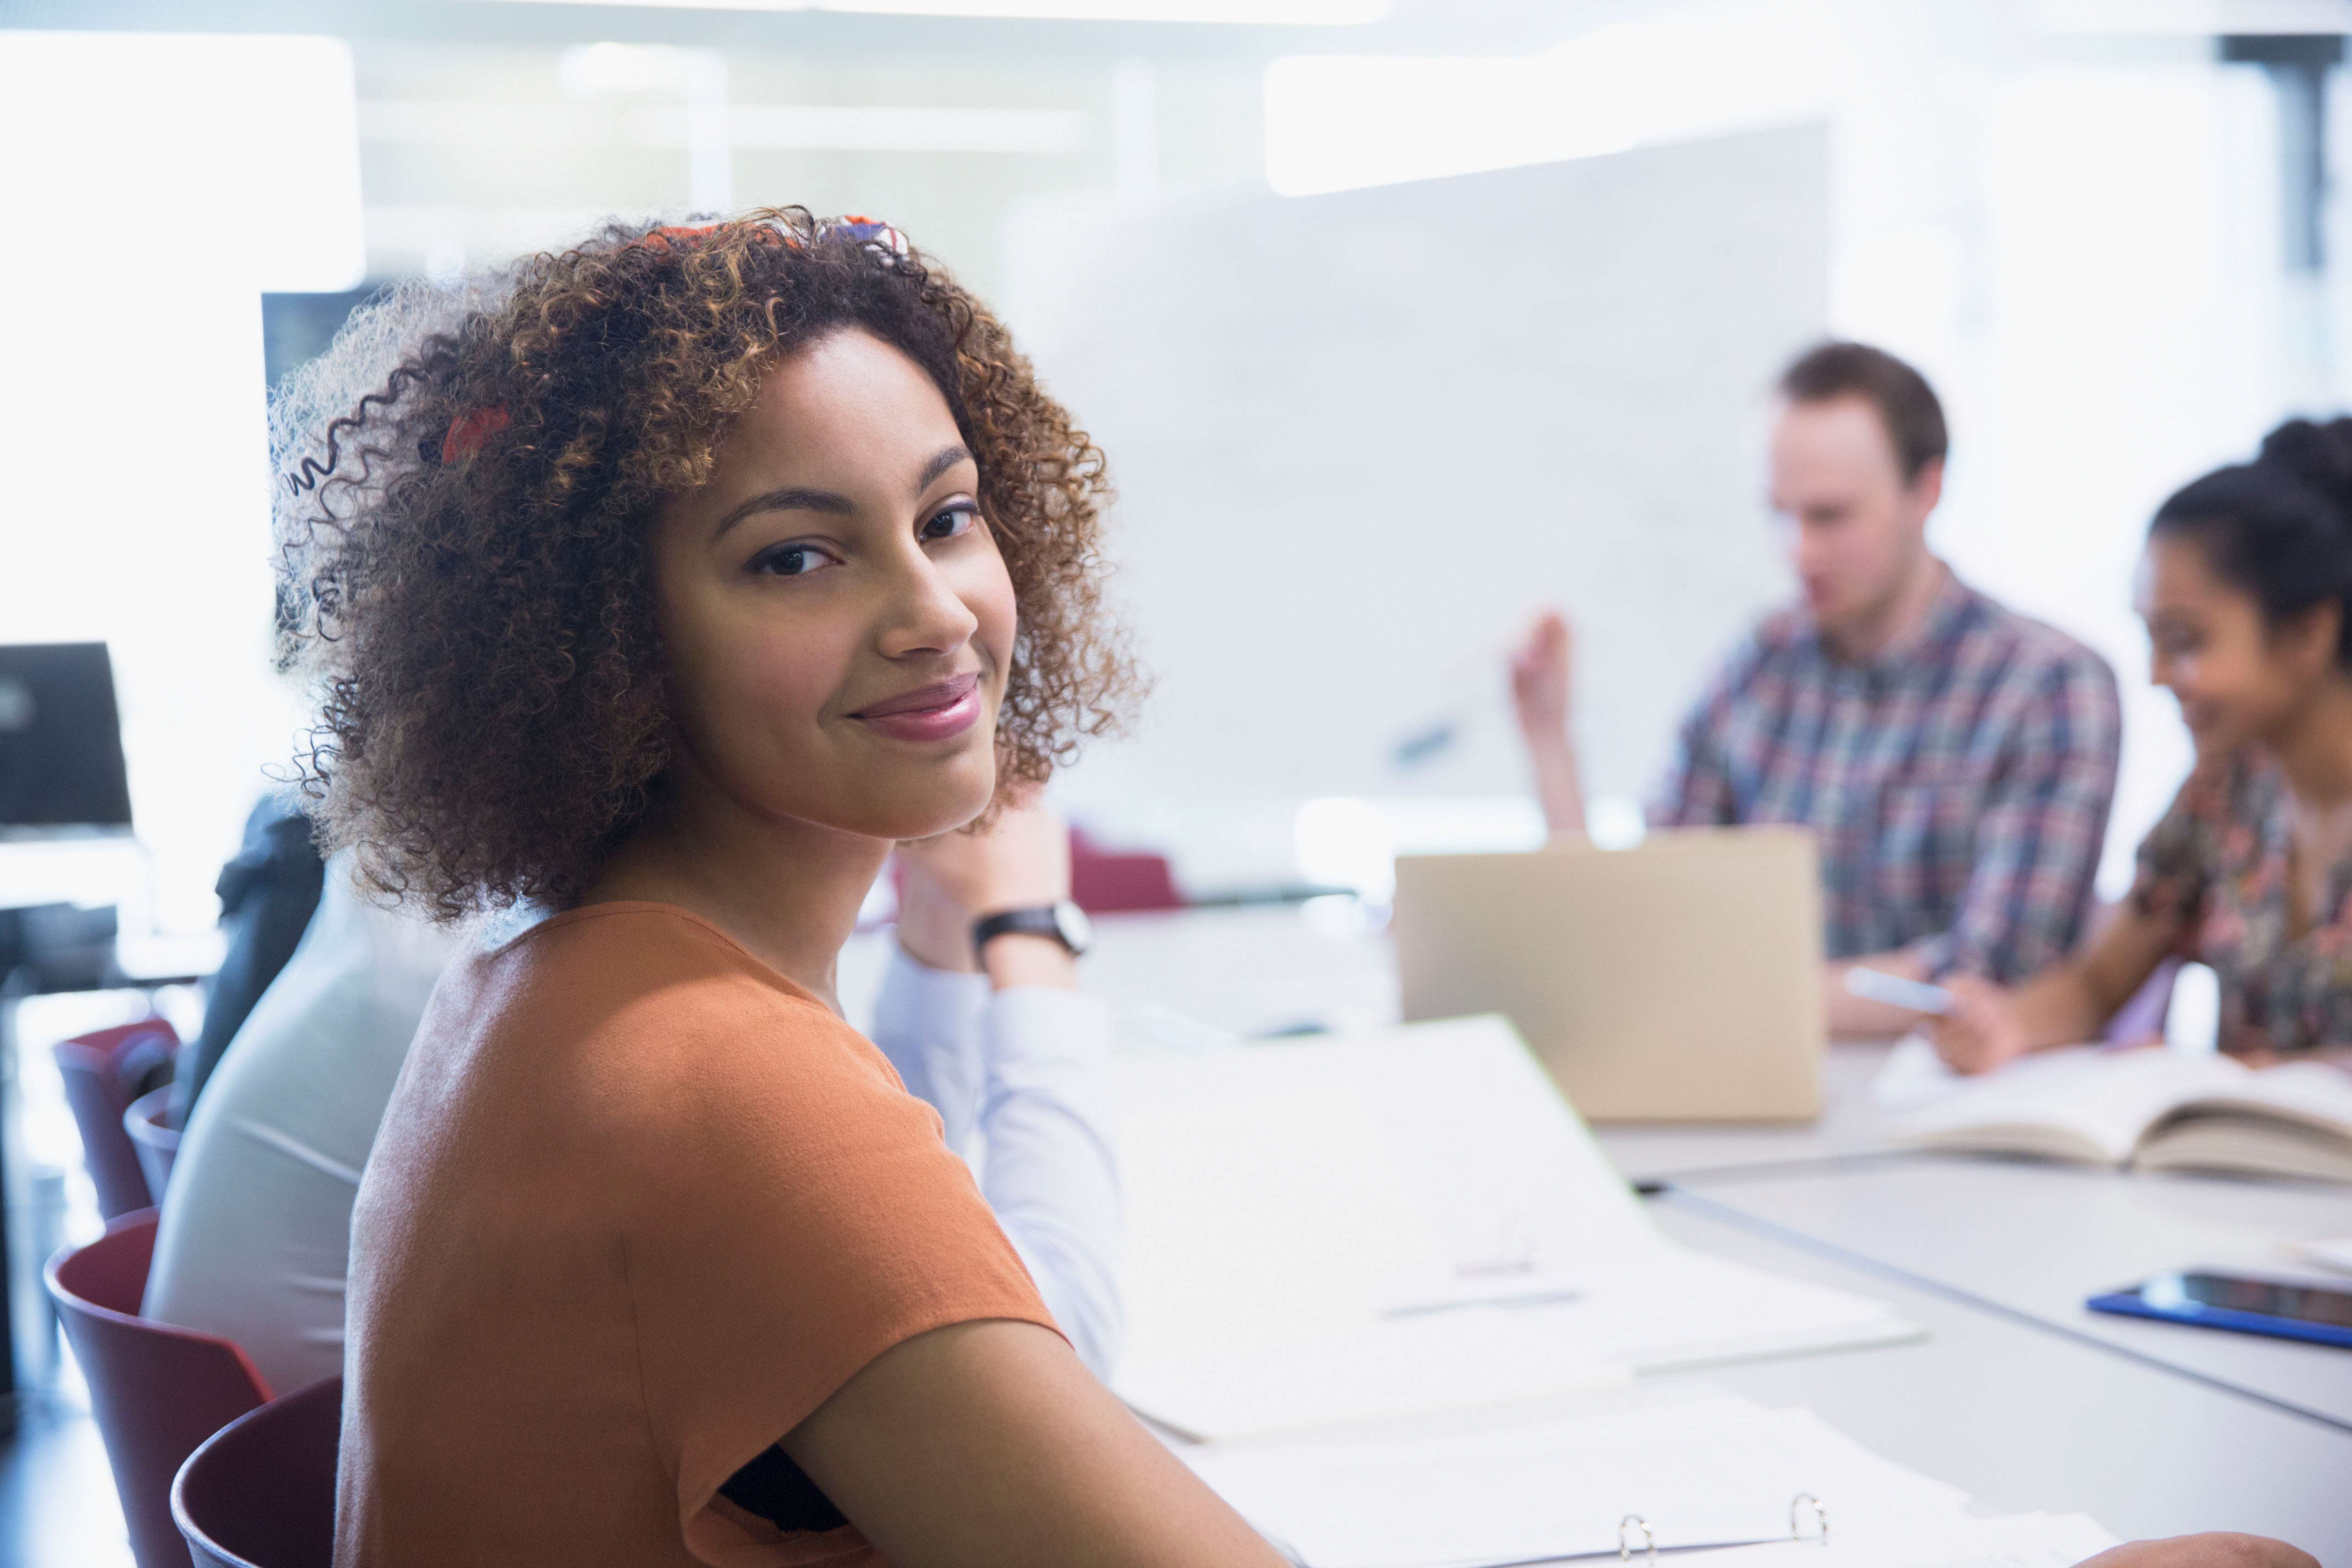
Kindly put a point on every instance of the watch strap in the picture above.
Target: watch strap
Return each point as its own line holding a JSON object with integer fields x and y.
{"x": 1042, "y": 920}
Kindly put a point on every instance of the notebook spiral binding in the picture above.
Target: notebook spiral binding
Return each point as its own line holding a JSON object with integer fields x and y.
{"x": 1800, "y": 1505}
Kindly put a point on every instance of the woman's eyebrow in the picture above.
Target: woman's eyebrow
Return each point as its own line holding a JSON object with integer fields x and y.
{"x": 945, "y": 459}
{"x": 792, "y": 498}
{"x": 800, "y": 498}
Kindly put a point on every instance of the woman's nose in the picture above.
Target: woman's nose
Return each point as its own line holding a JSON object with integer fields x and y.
{"x": 926, "y": 613}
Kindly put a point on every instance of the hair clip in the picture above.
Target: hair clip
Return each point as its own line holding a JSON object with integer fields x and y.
{"x": 859, "y": 229}
{"x": 467, "y": 433}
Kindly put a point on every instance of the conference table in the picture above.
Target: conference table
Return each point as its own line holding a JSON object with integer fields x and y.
{"x": 2017, "y": 1393}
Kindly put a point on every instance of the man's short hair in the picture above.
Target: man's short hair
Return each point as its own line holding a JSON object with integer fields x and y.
{"x": 1906, "y": 404}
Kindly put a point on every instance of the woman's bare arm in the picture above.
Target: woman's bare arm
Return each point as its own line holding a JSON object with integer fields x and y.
{"x": 2067, "y": 1003}
{"x": 987, "y": 1444}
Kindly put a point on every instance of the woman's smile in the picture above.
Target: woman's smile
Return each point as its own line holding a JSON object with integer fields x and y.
{"x": 939, "y": 711}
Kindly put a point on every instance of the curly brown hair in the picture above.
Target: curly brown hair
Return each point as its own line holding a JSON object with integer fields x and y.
{"x": 465, "y": 540}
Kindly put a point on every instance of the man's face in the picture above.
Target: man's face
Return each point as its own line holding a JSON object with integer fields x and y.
{"x": 1856, "y": 528}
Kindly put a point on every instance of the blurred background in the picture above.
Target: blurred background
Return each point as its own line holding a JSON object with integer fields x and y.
{"x": 1396, "y": 319}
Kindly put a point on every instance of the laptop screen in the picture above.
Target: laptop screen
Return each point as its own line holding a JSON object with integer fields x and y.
{"x": 60, "y": 740}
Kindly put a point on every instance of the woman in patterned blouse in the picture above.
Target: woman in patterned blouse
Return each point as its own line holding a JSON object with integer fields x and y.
{"x": 2246, "y": 588}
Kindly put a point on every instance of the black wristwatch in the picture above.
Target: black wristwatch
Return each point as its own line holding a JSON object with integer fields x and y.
{"x": 1065, "y": 922}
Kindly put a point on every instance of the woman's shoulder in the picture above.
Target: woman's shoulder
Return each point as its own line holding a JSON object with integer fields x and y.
{"x": 658, "y": 1006}
{"x": 610, "y": 952}
{"x": 2238, "y": 790}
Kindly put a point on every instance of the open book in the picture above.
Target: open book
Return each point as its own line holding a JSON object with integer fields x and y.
{"x": 2149, "y": 1107}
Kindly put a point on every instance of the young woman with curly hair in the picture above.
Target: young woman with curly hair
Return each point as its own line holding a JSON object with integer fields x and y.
{"x": 661, "y": 589}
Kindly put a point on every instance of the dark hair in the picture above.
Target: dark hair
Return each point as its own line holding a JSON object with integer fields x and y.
{"x": 467, "y": 532}
{"x": 2280, "y": 526}
{"x": 1906, "y": 404}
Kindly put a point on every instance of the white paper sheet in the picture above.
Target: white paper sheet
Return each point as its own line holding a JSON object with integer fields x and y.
{"x": 1704, "y": 1471}
{"x": 2015, "y": 1540}
{"x": 1290, "y": 1205}
{"x": 2333, "y": 1254}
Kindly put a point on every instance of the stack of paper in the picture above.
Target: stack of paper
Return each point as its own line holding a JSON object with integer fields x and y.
{"x": 1399, "y": 1222}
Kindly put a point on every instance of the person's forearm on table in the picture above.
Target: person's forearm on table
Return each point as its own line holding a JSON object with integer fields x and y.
{"x": 1849, "y": 1017}
{"x": 2060, "y": 1007}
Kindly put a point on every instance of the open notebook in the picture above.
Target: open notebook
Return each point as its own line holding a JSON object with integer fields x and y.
{"x": 2148, "y": 1106}
{"x": 1402, "y": 1221}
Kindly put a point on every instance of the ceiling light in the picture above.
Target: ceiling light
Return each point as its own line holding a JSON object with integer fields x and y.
{"x": 1289, "y": 13}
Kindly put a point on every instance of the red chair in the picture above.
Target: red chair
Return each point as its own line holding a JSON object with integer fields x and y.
{"x": 103, "y": 1074}
{"x": 1105, "y": 882}
{"x": 154, "y": 1139}
{"x": 260, "y": 1492}
{"x": 156, "y": 1391}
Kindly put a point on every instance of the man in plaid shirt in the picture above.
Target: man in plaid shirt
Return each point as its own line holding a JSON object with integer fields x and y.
{"x": 1956, "y": 759}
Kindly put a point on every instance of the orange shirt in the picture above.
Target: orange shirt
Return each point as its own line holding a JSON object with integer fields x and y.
{"x": 639, "y": 1205}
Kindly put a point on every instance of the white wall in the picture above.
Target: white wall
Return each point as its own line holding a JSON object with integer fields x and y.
{"x": 2073, "y": 234}
{"x": 155, "y": 187}
{"x": 1359, "y": 438}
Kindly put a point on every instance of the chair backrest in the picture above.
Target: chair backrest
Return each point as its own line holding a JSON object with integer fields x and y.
{"x": 102, "y": 1072}
{"x": 156, "y": 1390}
{"x": 154, "y": 1139}
{"x": 1107, "y": 881}
{"x": 260, "y": 1492}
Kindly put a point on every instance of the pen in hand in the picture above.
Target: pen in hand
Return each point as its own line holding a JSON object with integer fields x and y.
{"x": 1916, "y": 996}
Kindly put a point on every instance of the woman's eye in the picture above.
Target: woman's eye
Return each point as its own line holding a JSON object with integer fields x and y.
{"x": 948, "y": 524}
{"x": 789, "y": 561}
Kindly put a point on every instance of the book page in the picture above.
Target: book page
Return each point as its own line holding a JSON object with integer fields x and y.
{"x": 2310, "y": 1092}
{"x": 2087, "y": 1102}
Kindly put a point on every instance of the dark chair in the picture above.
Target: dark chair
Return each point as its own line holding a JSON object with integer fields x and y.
{"x": 156, "y": 1391}
{"x": 103, "y": 1072}
{"x": 154, "y": 1139}
{"x": 1110, "y": 881}
{"x": 260, "y": 1492}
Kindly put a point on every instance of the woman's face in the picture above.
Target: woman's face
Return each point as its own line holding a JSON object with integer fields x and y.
{"x": 2238, "y": 679}
{"x": 837, "y": 619}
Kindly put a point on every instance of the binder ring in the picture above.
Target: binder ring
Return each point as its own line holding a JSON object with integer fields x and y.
{"x": 1797, "y": 1507}
{"x": 1625, "y": 1547}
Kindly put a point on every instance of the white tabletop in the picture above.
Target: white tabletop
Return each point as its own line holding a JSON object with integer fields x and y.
{"x": 2024, "y": 1418}
{"x": 2019, "y": 1394}
{"x": 2037, "y": 1239}
{"x": 1849, "y": 1125}
{"x": 1254, "y": 971}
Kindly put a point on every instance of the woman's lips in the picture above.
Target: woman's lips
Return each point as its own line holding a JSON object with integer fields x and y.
{"x": 939, "y": 711}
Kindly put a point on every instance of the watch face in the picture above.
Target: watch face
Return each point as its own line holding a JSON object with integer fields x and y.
{"x": 1077, "y": 932}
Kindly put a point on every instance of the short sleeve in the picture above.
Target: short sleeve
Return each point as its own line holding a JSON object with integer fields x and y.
{"x": 2176, "y": 859}
{"x": 800, "y": 1215}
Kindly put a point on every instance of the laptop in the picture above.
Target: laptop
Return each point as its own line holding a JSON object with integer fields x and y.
{"x": 1676, "y": 981}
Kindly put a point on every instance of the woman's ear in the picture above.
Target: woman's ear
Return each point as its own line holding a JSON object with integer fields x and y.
{"x": 2309, "y": 641}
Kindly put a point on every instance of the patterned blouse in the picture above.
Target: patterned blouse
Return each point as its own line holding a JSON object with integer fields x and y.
{"x": 2216, "y": 867}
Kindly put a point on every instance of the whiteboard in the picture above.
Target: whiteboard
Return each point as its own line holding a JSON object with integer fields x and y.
{"x": 1357, "y": 438}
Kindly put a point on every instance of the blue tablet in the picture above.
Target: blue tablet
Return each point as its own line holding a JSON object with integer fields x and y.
{"x": 2240, "y": 1304}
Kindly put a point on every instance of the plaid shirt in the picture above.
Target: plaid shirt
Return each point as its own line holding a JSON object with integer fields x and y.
{"x": 1958, "y": 783}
